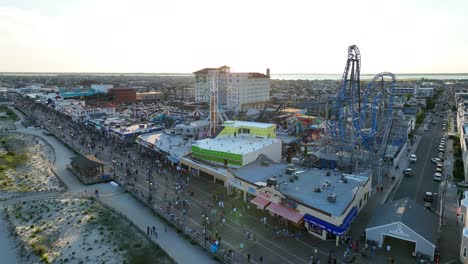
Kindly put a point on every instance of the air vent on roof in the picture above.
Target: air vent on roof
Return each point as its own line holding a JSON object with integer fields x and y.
{"x": 344, "y": 179}
{"x": 331, "y": 198}
{"x": 265, "y": 163}
{"x": 317, "y": 189}
{"x": 271, "y": 181}
{"x": 327, "y": 174}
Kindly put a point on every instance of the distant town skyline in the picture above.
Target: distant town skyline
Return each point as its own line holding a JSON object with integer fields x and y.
{"x": 145, "y": 36}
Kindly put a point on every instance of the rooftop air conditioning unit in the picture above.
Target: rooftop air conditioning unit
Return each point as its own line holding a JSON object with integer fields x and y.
{"x": 271, "y": 181}
{"x": 331, "y": 198}
{"x": 317, "y": 189}
{"x": 344, "y": 179}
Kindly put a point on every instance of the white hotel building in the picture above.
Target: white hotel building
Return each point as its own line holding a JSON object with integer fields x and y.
{"x": 237, "y": 91}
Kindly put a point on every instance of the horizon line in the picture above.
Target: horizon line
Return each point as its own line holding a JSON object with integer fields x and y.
{"x": 282, "y": 73}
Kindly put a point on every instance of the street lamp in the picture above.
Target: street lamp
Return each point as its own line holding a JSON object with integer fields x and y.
{"x": 114, "y": 162}
{"x": 205, "y": 225}
{"x": 149, "y": 185}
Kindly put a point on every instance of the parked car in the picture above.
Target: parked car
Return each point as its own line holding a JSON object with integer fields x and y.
{"x": 436, "y": 160}
{"x": 439, "y": 170}
{"x": 437, "y": 177}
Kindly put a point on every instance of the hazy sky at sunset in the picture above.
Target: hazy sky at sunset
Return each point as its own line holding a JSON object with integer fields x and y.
{"x": 182, "y": 36}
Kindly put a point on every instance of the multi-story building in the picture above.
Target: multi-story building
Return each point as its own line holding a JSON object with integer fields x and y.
{"x": 103, "y": 88}
{"x": 149, "y": 96}
{"x": 416, "y": 91}
{"x": 123, "y": 95}
{"x": 461, "y": 100}
{"x": 237, "y": 91}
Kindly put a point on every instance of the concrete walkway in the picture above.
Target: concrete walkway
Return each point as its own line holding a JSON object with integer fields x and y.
{"x": 169, "y": 241}
{"x": 124, "y": 203}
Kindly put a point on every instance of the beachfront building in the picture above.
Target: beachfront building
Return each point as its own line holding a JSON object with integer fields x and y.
{"x": 195, "y": 129}
{"x": 68, "y": 106}
{"x": 167, "y": 143}
{"x": 87, "y": 113}
{"x": 326, "y": 202}
{"x": 238, "y": 91}
{"x": 132, "y": 131}
{"x": 237, "y": 144}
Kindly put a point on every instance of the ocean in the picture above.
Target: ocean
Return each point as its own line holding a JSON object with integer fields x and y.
{"x": 401, "y": 76}
{"x": 279, "y": 76}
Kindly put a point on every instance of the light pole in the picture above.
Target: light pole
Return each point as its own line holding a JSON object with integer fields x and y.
{"x": 149, "y": 186}
{"x": 205, "y": 231}
{"x": 114, "y": 162}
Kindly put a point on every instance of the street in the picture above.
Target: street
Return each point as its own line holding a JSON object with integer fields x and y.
{"x": 421, "y": 182}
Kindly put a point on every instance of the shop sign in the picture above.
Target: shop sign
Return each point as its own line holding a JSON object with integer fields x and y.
{"x": 251, "y": 190}
{"x": 264, "y": 195}
{"x": 289, "y": 203}
{"x": 235, "y": 182}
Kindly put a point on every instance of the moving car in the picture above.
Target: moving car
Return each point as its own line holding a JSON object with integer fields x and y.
{"x": 427, "y": 206}
{"x": 408, "y": 172}
{"x": 428, "y": 197}
{"x": 437, "y": 177}
{"x": 413, "y": 158}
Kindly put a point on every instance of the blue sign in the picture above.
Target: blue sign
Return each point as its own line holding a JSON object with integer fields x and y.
{"x": 251, "y": 190}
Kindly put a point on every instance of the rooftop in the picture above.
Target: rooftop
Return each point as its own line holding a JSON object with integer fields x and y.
{"x": 173, "y": 144}
{"x": 409, "y": 213}
{"x": 198, "y": 123}
{"x": 303, "y": 189}
{"x": 465, "y": 129}
{"x": 236, "y": 123}
{"x": 241, "y": 144}
{"x": 139, "y": 128}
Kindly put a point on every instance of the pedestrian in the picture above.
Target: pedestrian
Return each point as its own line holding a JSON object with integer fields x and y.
{"x": 261, "y": 259}
{"x": 388, "y": 249}
{"x": 248, "y": 257}
{"x": 154, "y": 230}
{"x": 147, "y": 230}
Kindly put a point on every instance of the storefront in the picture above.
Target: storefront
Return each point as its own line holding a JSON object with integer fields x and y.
{"x": 325, "y": 230}
{"x": 287, "y": 213}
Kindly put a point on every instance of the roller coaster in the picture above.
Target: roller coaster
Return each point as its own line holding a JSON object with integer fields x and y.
{"x": 362, "y": 120}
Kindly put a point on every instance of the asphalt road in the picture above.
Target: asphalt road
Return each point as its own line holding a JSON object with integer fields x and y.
{"x": 415, "y": 187}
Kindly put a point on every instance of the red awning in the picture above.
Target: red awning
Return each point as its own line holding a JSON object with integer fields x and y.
{"x": 260, "y": 202}
{"x": 285, "y": 212}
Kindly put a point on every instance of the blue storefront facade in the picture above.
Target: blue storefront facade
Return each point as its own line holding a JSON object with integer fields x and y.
{"x": 318, "y": 227}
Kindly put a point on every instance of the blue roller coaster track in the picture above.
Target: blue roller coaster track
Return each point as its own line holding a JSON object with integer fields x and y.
{"x": 344, "y": 115}
{"x": 378, "y": 98}
{"x": 365, "y": 119}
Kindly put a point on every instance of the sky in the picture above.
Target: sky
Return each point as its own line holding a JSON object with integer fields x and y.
{"x": 155, "y": 36}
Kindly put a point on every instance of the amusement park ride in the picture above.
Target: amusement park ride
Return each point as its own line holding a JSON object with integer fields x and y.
{"x": 361, "y": 121}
